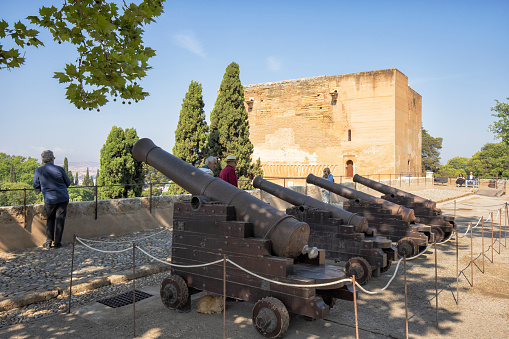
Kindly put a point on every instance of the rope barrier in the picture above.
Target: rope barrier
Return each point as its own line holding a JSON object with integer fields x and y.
{"x": 103, "y": 251}
{"x": 267, "y": 279}
{"x": 177, "y": 265}
{"x": 127, "y": 241}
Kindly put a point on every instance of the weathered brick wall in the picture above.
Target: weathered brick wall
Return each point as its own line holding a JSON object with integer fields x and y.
{"x": 300, "y": 126}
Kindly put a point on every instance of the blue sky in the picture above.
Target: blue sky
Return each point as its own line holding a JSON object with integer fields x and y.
{"x": 454, "y": 53}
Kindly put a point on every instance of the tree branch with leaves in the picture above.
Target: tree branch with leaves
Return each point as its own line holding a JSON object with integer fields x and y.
{"x": 112, "y": 57}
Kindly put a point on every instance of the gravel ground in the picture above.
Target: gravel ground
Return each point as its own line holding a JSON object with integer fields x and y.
{"x": 37, "y": 269}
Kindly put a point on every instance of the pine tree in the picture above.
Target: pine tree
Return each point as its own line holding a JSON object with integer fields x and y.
{"x": 13, "y": 174}
{"x": 229, "y": 127}
{"x": 191, "y": 132}
{"x": 118, "y": 167}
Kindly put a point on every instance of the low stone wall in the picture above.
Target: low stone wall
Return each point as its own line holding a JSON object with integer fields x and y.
{"x": 121, "y": 216}
{"x": 114, "y": 217}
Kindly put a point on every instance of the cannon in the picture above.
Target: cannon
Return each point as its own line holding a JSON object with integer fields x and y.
{"x": 394, "y": 192}
{"x": 346, "y": 237}
{"x": 393, "y": 221}
{"x": 406, "y": 214}
{"x": 227, "y": 241}
{"x": 360, "y": 223}
{"x": 426, "y": 210}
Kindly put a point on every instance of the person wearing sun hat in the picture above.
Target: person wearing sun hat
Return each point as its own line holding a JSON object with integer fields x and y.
{"x": 228, "y": 173}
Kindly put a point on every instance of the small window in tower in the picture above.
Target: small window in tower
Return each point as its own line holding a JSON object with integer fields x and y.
{"x": 349, "y": 135}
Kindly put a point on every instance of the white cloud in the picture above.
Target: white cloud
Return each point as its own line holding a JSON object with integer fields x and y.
{"x": 189, "y": 42}
{"x": 273, "y": 64}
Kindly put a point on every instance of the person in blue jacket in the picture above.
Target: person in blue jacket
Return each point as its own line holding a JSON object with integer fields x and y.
{"x": 328, "y": 176}
{"x": 53, "y": 182}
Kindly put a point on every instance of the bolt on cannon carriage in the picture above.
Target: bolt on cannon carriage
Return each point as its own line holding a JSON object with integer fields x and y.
{"x": 346, "y": 237}
{"x": 393, "y": 221}
{"x": 442, "y": 226}
{"x": 269, "y": 262}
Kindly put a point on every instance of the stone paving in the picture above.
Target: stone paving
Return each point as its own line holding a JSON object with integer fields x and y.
{"x": 38, "y": 269}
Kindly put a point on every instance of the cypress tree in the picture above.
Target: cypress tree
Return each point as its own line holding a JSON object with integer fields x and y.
{"x": 76, "y": 180}
{"x": 229, "y": 127}
{"x": 192, "y": 129}
{"x": 191, "y": 132}
{"x": 66, "y": 166}
{"x": 118, "y": 167}
{"x": 96, "y": 176}
{"x": 13, "y": 174}
{"x": 69, "y": 174}
{"x": 86, "y": 180}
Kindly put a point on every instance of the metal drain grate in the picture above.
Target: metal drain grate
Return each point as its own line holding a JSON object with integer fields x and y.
{"x": 124, "y": 299}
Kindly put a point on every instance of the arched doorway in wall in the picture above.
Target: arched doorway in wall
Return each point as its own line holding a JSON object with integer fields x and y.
{"x": 349, "y": 168}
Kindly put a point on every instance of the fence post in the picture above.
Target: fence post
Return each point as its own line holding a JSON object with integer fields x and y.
{"x": 150, "y": 199}
{"x": 406, "y": 300}
{"x": 24, "y": 207}
{"x": 436, "y": 280}
{"x": 95, "y": 192}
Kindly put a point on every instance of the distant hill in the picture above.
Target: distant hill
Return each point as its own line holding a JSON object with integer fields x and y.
{"x": 81, "y": 168}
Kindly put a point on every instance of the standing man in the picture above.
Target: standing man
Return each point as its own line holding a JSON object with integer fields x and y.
{"x": 53, "y": 182}
{"x": 210, "y": 165}
{"x": 228, "y": 173}
{"x": 328, "y": 176}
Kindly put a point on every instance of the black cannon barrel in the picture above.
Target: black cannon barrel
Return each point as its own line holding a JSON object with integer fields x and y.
{"x": 394, "y": 191}
{"x": 289, "y": 236}
{"x": 295, "y": 198}
{"x": 407, "y": 214}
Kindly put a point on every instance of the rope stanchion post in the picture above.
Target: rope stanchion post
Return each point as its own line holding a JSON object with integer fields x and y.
{"x": 506, "y": 222}
{"x": 457, "y": 271}
{"x": 224, "y": 296}
{"x": 134, "y": 291}
{"x": 482, "y": 237}
{"x": 72, "y": 269}
{"x": 406, "y": 301}
{"x": 500, "y": 232}
{"x": 492, "y": 238}
{"x": 355, "y": 307}
{"x": 436, "y": 283}
{"x": 471, "y": 256}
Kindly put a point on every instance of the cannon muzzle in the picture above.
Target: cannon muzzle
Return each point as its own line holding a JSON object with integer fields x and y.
{"x": 395, "y": 192}
{"x": 407, "y": 214}
{"x": 295, "y": 198}
{"x": 288, "y": 236}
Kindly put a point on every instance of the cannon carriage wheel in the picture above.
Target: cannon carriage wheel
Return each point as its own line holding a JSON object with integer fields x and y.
{"x": 408, "y": 247}
{"x": 174, "y": 292}
{"x": 271, "y": 318}
{"x": 359, "y": 267}
{"x": 438, "y": 232}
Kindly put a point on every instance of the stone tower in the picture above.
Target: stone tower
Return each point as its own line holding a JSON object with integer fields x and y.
{"x": 365, "y": 123}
